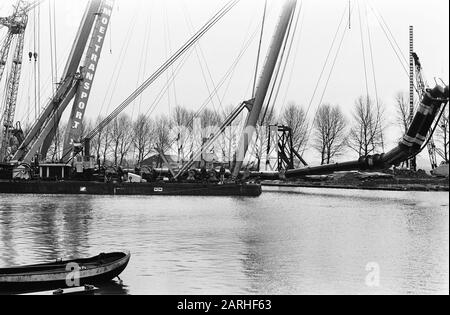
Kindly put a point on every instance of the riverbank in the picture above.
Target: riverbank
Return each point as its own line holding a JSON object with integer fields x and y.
{"x": 364, "y": 181}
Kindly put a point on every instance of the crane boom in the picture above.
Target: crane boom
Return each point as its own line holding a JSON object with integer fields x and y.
{"x": 43, "y": 131}
{"x": 266, "y": 78}
{"x": 88, "y": 71}
{"x": 163, "y": 68}
{"x": 4, "y": 52}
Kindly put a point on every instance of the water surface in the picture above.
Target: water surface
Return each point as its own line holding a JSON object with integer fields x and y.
{"x": 288, "y": 241}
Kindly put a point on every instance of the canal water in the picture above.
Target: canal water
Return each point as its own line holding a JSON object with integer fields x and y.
{"x": 288, "y": 241}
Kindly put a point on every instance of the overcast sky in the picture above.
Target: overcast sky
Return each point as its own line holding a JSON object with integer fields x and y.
{"x": 145, "y": 32}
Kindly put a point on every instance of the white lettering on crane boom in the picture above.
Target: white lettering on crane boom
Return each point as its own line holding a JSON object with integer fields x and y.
{"x": 89, "y": 70}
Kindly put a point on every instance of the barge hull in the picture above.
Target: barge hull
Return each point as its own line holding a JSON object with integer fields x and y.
{"x": 129, "y": 189}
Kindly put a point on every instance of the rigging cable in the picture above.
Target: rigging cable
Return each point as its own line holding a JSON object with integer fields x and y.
{"x": 295, "y": 60}
{"x": 326, "y": 84}
{"x": 227, "y": 75}
{"x": 147, "y": 48}
{"x": 138, "y": 77}
{"x": 278, "y": 80}
{"x": 392, "y": 35}
{"x": 112, "y": 86}
{"x": 167, "y": 86}
{"x": 258, "y": 56}
{"x": 218, "y": 16}
{"x": 166, "y": 35}
{"x": 198, "y": 48}
{"x": 38, "y": 81}
{"x": 291, "y": 44}
{"x": 326, "y": 62}
{"x": 55, "y": 46}
{"x": 391, "y": 42}
{"x": 35, "y": 26}
{"x": 363, "y": 51}
{"x": 51, "y": 47}
{"x": 288, "y": 41}
{"x": 377, "y": 100}
{"x": 244, "y": 44}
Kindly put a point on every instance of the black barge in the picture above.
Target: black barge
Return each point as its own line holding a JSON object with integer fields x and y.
{"x": 129, "y": 189}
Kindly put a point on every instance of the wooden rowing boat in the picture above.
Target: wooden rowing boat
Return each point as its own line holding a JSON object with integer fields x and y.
{"x": 64, "y": 274}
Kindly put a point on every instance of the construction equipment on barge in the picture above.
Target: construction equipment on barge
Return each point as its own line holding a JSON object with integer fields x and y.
{"x": 77, "y": 173}
{"x": 416, "y": 140}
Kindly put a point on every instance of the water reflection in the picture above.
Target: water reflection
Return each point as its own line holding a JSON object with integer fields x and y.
{"x": 44, "y": 231}
{"x": 299, "y": 241}
{"x": 8, "y": 252}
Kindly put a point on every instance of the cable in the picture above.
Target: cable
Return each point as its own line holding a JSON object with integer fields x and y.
{"x": 393, "y": 37}
{"x": 373, "y": 73}
{"x": 147, "y": 48}
{"x": 291, "y": 44}
{"x": 112, "y": 86}
{"x": 363, "y": 50}
{"x": 258, "y": 56}
{"x": 372, "y": 57}
{"x": 218, "y": 16}
{"x": 326, "y": 62}
{"x": 51, "y": 48}
{"x": 390, "y": 42}
{"x": 54, "y": 40}
{"x": 283, "y": 104}
{"x": 280, "y": 65}
{"x": 326, "y": 86}
{"x": 228, "y": 74}
{"x": 198, "y": 48}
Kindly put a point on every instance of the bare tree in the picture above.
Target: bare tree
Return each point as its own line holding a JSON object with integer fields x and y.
{"x": 294, "y": 117}
{"x": 183, "y": 125}
{"x": 330, "y": 132}
{"x": 210, "y": 122}
{"x": 442, "y": 137}
{"x": 403, "y": 111}
{"x": 162, "y": 134}
{"x": 229, "y": 138}
{"x": 403, "y": 115}
{"x": 56, "y": 148}
{"x": 98, "y": 141}
{"x": 367, "y": 133}
{"x": 121, "y": 133}
{"x": 262, "y": 137}
{"x": 105, "y": 143}
{"x": 142, "y": 140}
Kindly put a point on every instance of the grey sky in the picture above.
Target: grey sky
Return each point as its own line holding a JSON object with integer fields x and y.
{"x": 165, "y": 26}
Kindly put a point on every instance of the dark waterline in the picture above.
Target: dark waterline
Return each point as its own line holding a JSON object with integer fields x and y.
{"x": 288, "y": 241}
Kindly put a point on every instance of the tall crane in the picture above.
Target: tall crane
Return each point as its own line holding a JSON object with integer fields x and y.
{"x": 76, "y": 83}
{"x": 266, "y": 78}
{"x": 422, "y": 87}
{"x": 16, "y": 24}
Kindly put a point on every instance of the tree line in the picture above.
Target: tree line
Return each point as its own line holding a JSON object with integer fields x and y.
{"x": 129, "y": 141}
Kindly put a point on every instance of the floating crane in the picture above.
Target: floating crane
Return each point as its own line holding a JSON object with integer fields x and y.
{"x": 76, "y": 84}
{"x": 16, "y": 24}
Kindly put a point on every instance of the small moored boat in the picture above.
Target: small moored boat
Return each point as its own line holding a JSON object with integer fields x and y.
{"x": 64, "y": 274}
